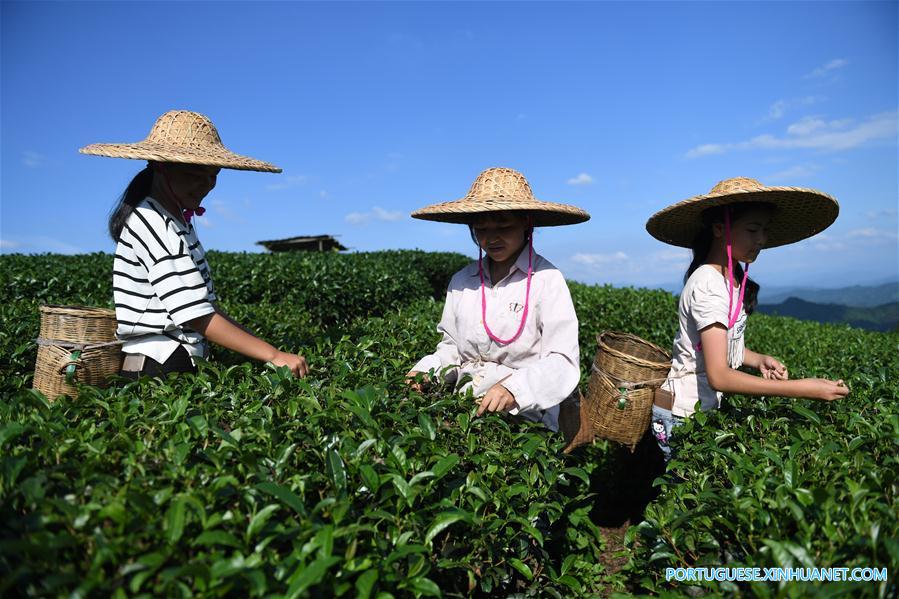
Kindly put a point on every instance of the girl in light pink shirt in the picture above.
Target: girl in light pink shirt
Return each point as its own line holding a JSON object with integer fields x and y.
{"x": 729, "y": 225}
{"x": 510, "y": 333}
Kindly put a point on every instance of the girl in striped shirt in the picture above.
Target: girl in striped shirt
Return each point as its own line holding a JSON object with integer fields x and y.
{"x": 165, "y": 301}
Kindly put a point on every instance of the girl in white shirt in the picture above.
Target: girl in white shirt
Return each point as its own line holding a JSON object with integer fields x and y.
{"x": 731, "y": 224}
{"x": 510, "y": 333}
{"x": 165, "y": 302}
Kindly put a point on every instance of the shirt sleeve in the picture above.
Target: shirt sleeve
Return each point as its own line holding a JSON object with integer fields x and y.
{"x": 447, "y": 353}
{"x": 708, "y": 304}
{"x": 557, "y": 373}
{"x": 181, "y": 288}
{"x": 174, "y": 276}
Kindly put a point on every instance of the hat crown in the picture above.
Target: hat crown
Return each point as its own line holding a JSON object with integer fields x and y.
{"x": 500, "y": 184}
{"x": 185, "y": 129}
{"x": 736, "y": 184}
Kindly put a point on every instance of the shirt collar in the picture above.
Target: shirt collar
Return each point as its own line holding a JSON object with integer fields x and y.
{"x": 521, "y": 263}
{"x": 163, "y": 210}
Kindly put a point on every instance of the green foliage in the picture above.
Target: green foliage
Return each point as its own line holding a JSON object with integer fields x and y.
{"x": 243, "y": 481}
{"x": 325, "y": 288}
{"x": 772, "y": 482}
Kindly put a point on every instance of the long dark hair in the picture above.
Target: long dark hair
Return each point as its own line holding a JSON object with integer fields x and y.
{"x": 137, "y": 190}
{"x": 703, "y": 244}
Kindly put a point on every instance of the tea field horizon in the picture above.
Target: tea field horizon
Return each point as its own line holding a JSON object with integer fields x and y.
{"x": 240, "y": 480}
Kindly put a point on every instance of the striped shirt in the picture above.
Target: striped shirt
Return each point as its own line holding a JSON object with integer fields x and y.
{"x": 160, "y": 281}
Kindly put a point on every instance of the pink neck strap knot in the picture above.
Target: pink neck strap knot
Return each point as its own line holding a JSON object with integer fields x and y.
{"x": 188, "y": 213}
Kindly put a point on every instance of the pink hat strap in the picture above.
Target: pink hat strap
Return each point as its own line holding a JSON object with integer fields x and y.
{"x": 732, "y": 315}
{"x": 527, "y": 294}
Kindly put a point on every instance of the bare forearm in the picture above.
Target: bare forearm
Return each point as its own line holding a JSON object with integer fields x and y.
{"x": 752, "y": 359}
{"x": 221, "y": 330}
{"x": 774, "y": 379}
{"x": 734, "y": 381}
{"x": 224, "y": 314}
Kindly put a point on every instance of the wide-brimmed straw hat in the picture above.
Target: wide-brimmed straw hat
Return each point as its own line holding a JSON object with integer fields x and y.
{"x": 502, "y": 189}
{"x": 182, "y": 136}
{"x": 799, "y": 212}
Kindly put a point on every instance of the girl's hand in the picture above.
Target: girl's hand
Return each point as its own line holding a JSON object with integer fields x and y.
{"x": 824, "y": 389}
{"x": 497, "y": 399}
{"x": 773, "y": 369}
{"x": 295, "y": 362}
{"x": 416, "y": 386}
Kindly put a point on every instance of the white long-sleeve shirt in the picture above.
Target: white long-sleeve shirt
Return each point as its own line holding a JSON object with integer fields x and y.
{"x": 540, "y": 368}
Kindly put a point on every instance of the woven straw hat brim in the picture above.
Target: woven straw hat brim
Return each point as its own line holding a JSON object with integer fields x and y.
{"x": 799, "y": 214}
{"x": 167, "y": 153}
{"x": 464, "y": 211}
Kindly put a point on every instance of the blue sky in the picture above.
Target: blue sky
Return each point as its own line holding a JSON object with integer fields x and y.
{"x": 376, "y": 109}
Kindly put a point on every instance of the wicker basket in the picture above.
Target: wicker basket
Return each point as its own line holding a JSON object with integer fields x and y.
{"x": 76, "y": 343}
{"x": 626, "y": 372}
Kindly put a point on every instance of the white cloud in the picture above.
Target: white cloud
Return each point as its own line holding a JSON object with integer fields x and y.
{"x": 32, "y": 159}
{"x": 781, "y": 107}
{"x": 707, "y": 149}
{"x": 815, "y": 134}
{"x": 599, "y": 259}
{"x": 582, "y": 179}
{"x": 357, "y": 218}
{"x": 777, "y": 110}
{"x": 881, "y": 214}
{"x": 827, "y": 243}
{"x": 806, "y": 126}
{"x": 323, "y": 194}
{"x": 827, "y": 69}
{"x": 288, "y": 182}
{"x": 377, "y": 213}
{"x": 793, "y": 173}
{"x": 672, "y": 255}
{"x": 387, "y": 215}
{"x": 872, "y": 234}
{"x": 854, "y": 239}
{"x": 9, "y": 244}
{"x": 644, "y": 267}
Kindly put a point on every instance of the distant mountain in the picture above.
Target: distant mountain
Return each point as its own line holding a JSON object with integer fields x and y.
{"x": 866, "y": 296}
{"x": 884, "y": 317}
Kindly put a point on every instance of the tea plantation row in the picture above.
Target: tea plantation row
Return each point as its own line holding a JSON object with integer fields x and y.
{"x": 240, "y": 481}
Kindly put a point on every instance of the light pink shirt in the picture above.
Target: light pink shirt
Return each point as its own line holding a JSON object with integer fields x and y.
{"x": 540, "y": 368}
{"x": 703, "y": 302}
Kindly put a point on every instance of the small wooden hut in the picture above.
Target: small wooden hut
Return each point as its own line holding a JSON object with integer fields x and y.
{"x": 315, "y": 243}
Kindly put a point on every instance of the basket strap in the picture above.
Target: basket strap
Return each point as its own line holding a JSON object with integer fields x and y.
{"x": 628, "y": 385}
{"x": 76, "y": 346}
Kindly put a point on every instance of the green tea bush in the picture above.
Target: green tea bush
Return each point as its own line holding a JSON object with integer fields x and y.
{"x": 773, "y": 482}
{"x": 323, "y": 288}
{"x": 241, "y": 481}
{"x": 333, "y": 288}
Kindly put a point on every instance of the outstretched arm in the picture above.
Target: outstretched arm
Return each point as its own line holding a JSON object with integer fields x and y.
{"x": 725, "y": 379}
{"x": 221, "y": 330}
